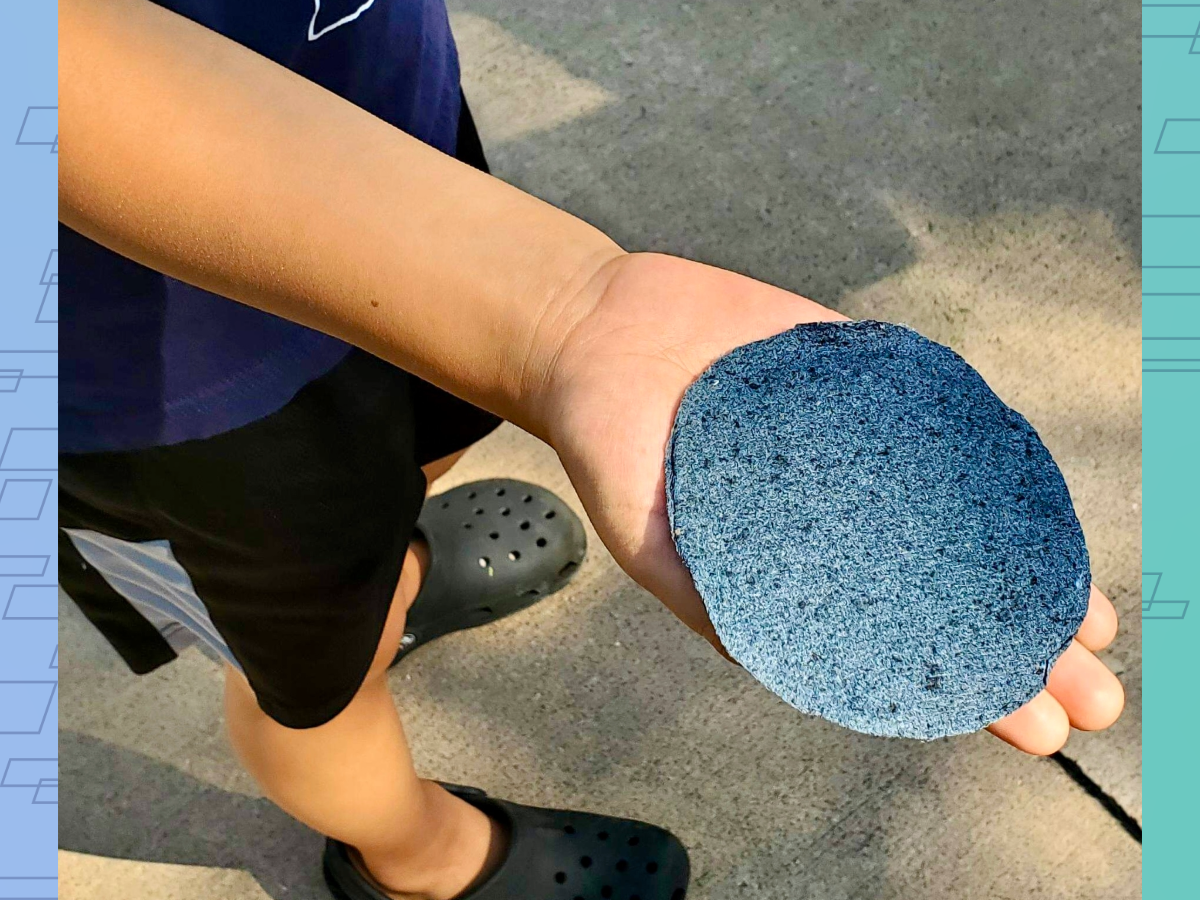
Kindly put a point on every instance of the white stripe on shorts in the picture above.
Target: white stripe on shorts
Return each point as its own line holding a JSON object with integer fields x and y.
{"x": 148, "y": 575}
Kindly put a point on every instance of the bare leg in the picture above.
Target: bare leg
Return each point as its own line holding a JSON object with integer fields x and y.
{"x": 353, "y": 777}
{"x": 439, "y": 467}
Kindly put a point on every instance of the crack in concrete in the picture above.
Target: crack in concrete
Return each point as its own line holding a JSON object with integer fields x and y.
{"x": 1075, "y": 772}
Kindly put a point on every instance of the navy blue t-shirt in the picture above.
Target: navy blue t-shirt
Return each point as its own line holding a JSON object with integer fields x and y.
{"x": 146, "y": 360}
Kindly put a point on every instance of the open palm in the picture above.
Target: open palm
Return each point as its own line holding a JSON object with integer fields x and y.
{"x": 657, "y": 324}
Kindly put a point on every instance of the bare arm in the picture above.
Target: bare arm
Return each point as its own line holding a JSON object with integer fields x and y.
{"x": 199, "y": 158}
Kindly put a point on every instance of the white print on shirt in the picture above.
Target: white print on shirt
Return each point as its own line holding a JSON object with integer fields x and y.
{"x": 313, "y": 34}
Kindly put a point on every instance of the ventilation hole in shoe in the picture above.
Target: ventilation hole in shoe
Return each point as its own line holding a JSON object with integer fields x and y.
{"x": 677, "y": 894}
{"x": 550, "y": 514}
{"x": 495, "y": 535}
{"x": 472, "y": 495}
{"x": 500, "y": 493}
{"x": 585, "y": 861}
{"x": 484, "y": 562}
{"x": 527, "y": 499}
{"x": 622, "y": 865}
{"x": 445, "y": 506}
{"x": 633, "y": 841}
{"x": 568, "y": 569}
{"x": 525, "y": 526}
{"x": 569, "y": 829}
{"x": 606, "y": 891}
{"x": 602, "y": 836}
{"x": 504, "y": 511}
{"x": 467, "y": 525}
{"x": 560, "y": 877}
{"x": 514, "y": 555}
{"x": 541, "y": 542}
{"x": 486, "y": 610}
{"x": 478, "y": 511}
{"x": 533, "y": 592}
{"x": 651, "y": 867}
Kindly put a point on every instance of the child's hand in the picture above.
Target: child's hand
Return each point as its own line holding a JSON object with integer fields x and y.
{"x": 657, "y": 323}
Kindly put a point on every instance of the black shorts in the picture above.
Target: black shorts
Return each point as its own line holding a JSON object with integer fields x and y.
{"x": 277, "y": 545}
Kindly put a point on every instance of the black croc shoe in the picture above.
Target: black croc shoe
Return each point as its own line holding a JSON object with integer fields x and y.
{"x": 554, "y": 854}
{"x": 495, "y": 547}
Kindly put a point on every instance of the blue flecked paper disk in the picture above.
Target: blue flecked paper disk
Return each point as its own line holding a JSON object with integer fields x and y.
{"x": 877, "y": 538}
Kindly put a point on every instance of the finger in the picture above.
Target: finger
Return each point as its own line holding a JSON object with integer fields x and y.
{"x": 1090, "y": 694}
{"x": 1100, "y": 624}
{"x": 674, "y": 587}
{"x": 1039, "y": 727}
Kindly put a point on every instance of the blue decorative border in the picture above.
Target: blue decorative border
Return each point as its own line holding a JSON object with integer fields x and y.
{"x": 28, "y": 453}
{"x": 1170, "y": 442}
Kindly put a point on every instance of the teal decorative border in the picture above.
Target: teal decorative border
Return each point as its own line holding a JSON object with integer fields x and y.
{"x": 29, "y": 452}
{"x": 1170, "y": 444}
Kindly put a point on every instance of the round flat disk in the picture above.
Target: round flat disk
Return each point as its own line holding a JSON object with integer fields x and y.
{"x": 877, "y": 538}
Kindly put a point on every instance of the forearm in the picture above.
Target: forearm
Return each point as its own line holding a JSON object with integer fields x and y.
{"x": 201, "y": 159}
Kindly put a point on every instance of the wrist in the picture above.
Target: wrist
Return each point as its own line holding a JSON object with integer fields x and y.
{"x": 544, "y": 370}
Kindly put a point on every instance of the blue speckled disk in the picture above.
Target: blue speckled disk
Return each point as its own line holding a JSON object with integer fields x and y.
{"x": 877, "y": 538}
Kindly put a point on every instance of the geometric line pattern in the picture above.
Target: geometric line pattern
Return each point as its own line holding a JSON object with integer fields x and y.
{"x": 1154, "y": 608}
{"x": 39, "y": 128}
{"x": 47, "y": 313}
{"x": 23, "y": 499}
{"x": 23, "y": 566}
{"x": 31, "y": 603}
{"x": 26, "y": 705}
{"x": 30, "y": 450}
{"x": 28, "y": 456}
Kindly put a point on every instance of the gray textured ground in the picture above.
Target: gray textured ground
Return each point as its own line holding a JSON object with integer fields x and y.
{"x": 969, "y": 169}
